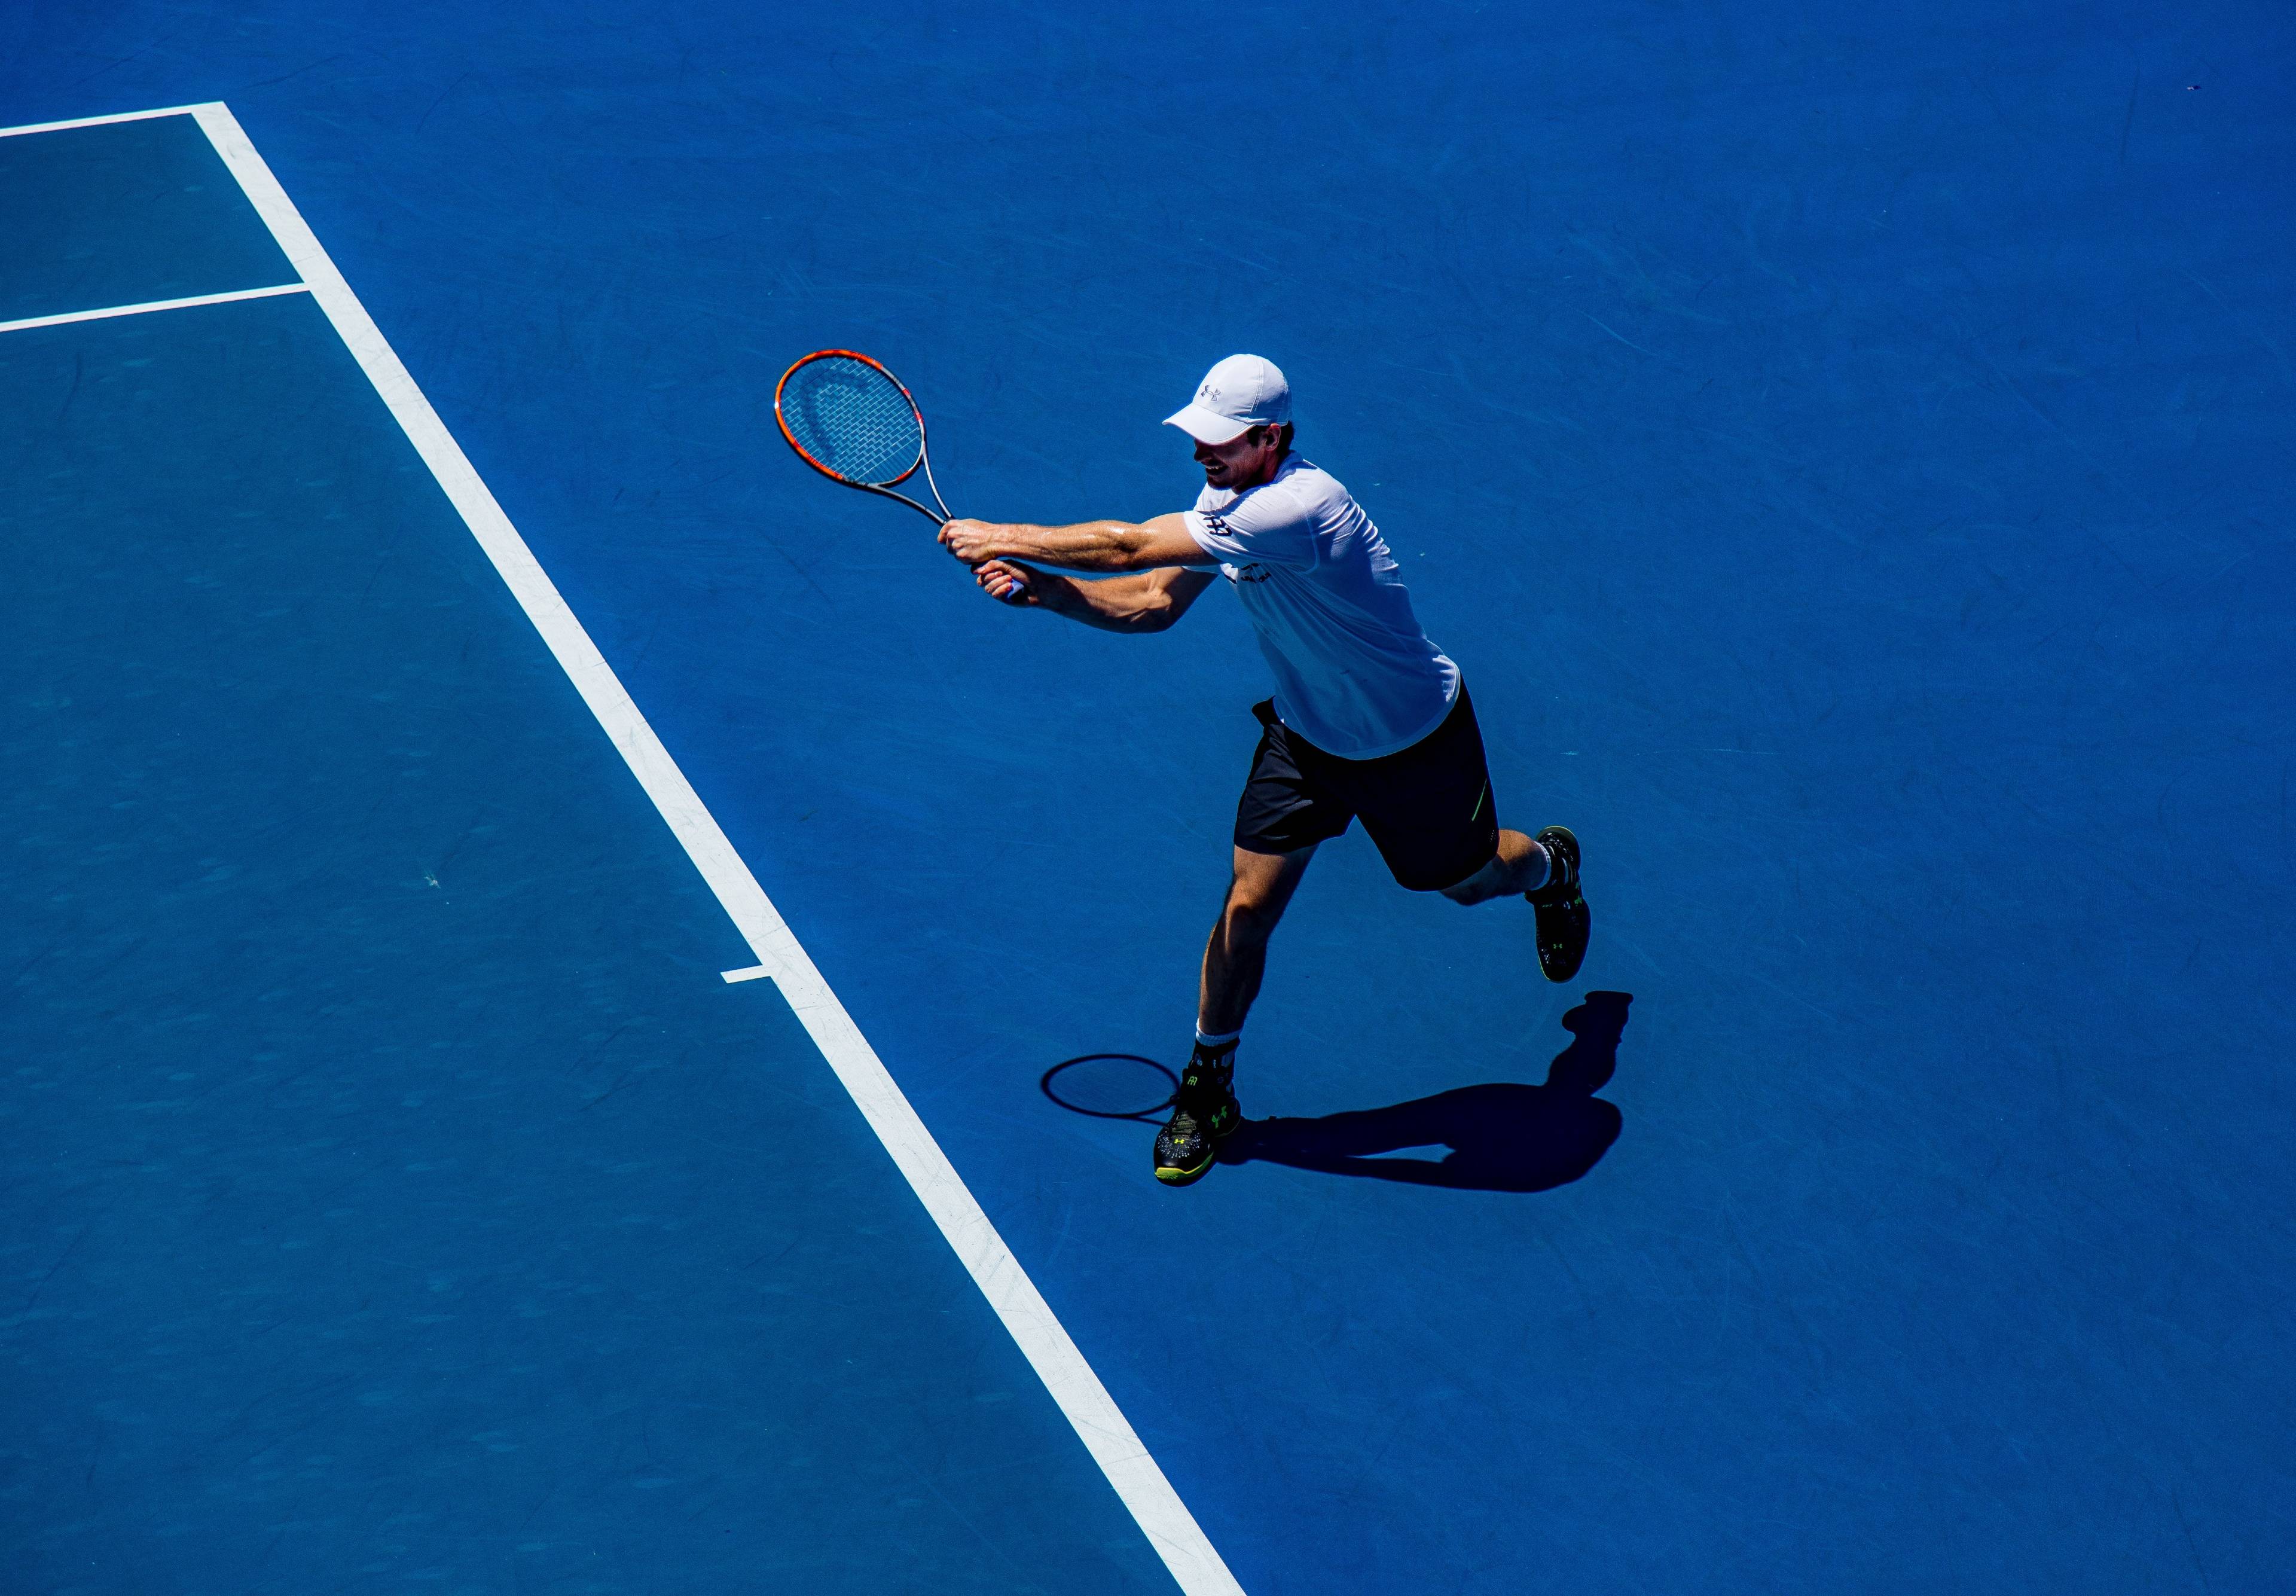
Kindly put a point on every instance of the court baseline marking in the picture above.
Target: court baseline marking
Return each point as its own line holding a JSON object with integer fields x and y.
{"x": 102, "y": 121}
{"x": 148, "y": 305}
{"x": 1084, "y": 1400}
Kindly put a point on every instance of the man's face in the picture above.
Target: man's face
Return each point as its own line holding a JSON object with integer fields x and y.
{"x": 1246, "y": 461}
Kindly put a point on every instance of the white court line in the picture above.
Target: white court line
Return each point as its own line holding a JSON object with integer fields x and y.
{"x": 148, "y": 305}
{"x": 1170, "y": 1528}
{"x": 121, "y": 116}
{"x": 756, "y": 971}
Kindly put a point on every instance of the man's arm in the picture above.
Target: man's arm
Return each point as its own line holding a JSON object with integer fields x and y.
{"x": 1095, "y": 545}
{"x": 1147, "y": 601}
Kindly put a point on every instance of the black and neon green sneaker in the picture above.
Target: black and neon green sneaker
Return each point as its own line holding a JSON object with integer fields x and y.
{"x": 1204, "y": 1111}
{"x": 1563, "y": 922}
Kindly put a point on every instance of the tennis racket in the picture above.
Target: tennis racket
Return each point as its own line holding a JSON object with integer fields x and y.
{"x": 852, "y": 420}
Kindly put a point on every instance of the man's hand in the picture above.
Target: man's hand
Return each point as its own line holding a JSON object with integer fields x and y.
{"x": 970, "y": 541}
{"x": 1007, "y": 584}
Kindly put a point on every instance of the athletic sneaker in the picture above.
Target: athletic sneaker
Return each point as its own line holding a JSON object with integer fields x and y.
{"x": 1203, "y": 1112}
{"x": 1563, "y": 922}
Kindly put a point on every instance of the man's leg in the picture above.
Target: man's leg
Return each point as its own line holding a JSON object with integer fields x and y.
{"x": 1545, "y": 870}
{"x": 1521, "y": 866}
{"x": 1430, "y": 809}
{"x": 1204, "y": 1109}
{"x": 1236, "y": 956}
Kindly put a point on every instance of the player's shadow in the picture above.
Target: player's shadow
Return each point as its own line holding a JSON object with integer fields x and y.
{"x": 1503, "y": 1136}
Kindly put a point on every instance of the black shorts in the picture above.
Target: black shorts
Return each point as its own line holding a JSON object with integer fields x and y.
{"x": 1428, "y": 807}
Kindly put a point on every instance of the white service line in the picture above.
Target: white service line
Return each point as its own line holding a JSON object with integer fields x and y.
{"x": 148, "y": 305}
{"x": 756, "y": 971}
{"x": 1170, "y": 1528}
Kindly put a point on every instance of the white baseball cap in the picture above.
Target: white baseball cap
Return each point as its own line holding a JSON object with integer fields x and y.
{"x": 1240, "y": 392}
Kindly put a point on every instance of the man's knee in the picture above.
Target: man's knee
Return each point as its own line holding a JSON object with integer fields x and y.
{"x": 1252, "y": 908}
{"x": 1249, "y": 916}
{"x": 1482, "y": 886}
{"x": 1259, "y": 892}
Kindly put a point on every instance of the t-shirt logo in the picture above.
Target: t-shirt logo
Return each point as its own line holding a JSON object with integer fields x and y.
{"x": 1253, "y": 573}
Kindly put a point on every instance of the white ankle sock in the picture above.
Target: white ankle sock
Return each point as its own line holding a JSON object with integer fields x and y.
{"x": 1216, "y": 1042}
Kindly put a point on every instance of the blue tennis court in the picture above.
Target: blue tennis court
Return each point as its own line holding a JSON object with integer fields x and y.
{"x": 543, "y": 938}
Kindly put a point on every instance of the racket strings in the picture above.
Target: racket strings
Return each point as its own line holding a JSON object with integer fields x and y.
{"x": 853, "y": 420}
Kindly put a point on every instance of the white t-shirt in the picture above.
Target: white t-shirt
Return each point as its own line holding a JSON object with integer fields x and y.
{"x": 1354, "y": 674}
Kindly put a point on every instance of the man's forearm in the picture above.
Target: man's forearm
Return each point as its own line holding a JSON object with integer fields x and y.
{"x": 1121, "y": 605}
{"x": 1098, "y": 546}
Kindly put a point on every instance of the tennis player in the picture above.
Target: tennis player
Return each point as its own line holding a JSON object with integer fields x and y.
{"x": 1369, "y": 718}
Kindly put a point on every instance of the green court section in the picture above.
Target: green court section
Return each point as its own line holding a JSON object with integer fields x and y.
{"x": 398, "y": 1198}
{"x": 123, "y": 214}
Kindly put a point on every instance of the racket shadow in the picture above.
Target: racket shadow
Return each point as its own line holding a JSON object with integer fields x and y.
{"x": 1503, "y": 1136}
{"x": 1112, "y": 1086}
